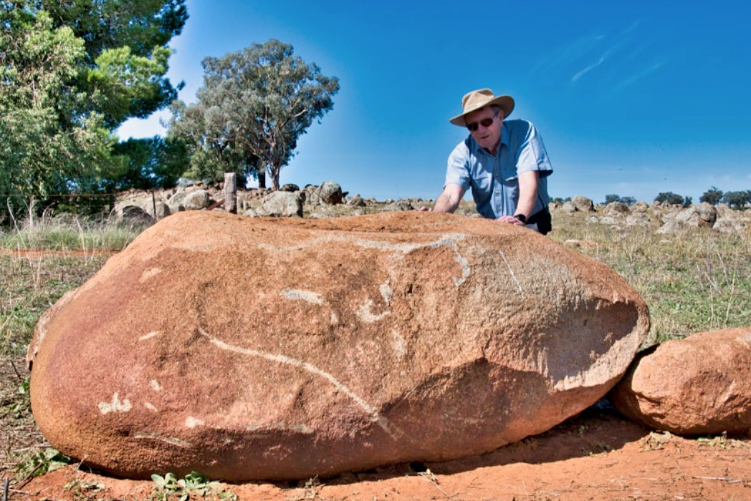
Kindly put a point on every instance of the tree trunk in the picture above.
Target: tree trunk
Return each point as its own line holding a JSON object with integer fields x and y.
{"x": 275, "y": 171}
{"x": 261, "y": 178}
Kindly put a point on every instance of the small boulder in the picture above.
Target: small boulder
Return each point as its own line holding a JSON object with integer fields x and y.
{"x": 729, "y": 225}
{"x": 583, "y": 204}
{"x": 400, "y": 205}
{"x": 330, "y": 193}
{"x": 637, "y": 219}
{"x": 569, "y": 207}
{"x": 196, "y": 200}
{"x": 697, "y": 385}
{"x": 281, "y": 204}
{"x": 671, "y": 226}
{"x": 703, "y": 215}
{"x": 356, "y": 201}
{"x": 640, "y": 206}
{"x": 133, "y": 214}
{"x": 616, "y": 209}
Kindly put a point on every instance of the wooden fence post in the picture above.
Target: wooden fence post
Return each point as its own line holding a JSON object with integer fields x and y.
{"x": 230, "y": 192}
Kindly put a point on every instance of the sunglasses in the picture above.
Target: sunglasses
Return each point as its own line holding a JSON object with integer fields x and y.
{"x": 485, "y": 122}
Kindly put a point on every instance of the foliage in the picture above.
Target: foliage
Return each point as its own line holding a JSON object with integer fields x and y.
{"x": 67, "y": 78}
{"x": 560, "y": 200}
{"x": 253, "y": 107}
{"x": 41, "y": 154}
{"x": 42, "y": 462}
{"x": 150, "y": 163}
{"x": 170, "y": 487}
{"x": 125, "y": 51}
{"x": 673, "y": 199}
{"x": 624, "y": 200}
{"x": 121, "y": 84}
{"x": 711, "y": 196}
{"x": 737, "y": 199}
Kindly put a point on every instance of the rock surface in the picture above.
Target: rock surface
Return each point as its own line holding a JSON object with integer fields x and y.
{"x": 281, "y": 204}
{"x": 697, "y": 385}
{"x": 583, "y": 204}
{"x": 283, "y": 348}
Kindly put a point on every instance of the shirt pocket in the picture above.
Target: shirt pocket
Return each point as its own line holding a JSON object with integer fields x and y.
{"x": 508, "y": 172}
{"x": 483, "y": 182}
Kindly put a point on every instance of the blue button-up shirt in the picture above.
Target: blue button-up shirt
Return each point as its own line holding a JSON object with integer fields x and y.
{"x": 494, "y": 179}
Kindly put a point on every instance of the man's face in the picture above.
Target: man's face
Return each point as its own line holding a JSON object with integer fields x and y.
{"x": 488, "y": 137}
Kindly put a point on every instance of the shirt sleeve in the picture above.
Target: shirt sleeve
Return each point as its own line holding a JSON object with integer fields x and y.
{"x": 457, "y": 171}
{"x": 532, "y": 154}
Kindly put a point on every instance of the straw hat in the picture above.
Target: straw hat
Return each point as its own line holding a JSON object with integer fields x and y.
{"x": 477, "y": 99}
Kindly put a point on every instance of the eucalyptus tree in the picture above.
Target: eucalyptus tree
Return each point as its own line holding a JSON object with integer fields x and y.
{"x": 253, "y": 107}
{"x": 71, "y": 71}
{"x": 125, "y": 41}
{"x": 39, "y": 154}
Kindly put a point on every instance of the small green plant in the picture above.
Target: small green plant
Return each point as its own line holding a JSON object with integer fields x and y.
{"x": 82, "y": 489}
{"x": 42, "y": 462}
{"x": 20, "y": 406}
{"x": 655, "y": 441}
{"x": 169, "y": 487}
{"x": 723, "y": 442}
{"x": 311, "y": 490}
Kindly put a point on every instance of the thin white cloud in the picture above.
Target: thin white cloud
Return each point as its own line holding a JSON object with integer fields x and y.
{"x": 569, "y": 53}
{"x": 638, "y": 76}
{"x": 632, "y": 27}
{"x": 589, "y": 68}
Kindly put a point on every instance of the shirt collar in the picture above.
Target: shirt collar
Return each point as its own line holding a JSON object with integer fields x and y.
{"x": 505, "y": 134}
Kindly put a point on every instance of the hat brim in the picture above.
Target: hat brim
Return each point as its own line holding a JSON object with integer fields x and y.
{"x": 505, "y": 102}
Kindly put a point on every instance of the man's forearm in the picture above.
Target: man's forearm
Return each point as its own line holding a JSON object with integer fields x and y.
{"x": 527, "y": 193}
{"x": 446, "y": 202}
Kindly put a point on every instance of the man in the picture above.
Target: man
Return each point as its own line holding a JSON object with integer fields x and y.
{"x": 504, "y": 162}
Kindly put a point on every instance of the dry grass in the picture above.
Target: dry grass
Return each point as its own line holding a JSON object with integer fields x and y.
{"x": 694, "y": 280}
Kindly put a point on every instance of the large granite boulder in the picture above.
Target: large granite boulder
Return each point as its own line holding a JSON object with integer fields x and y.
{"x": 286, "y": 348}
{"x": 697, "y": 385}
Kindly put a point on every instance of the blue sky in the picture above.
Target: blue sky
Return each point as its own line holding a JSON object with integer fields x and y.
{"x": 631, "y": 98}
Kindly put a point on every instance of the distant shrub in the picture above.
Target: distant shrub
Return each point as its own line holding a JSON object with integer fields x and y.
{"x": 616, "y": 198}
{"x": 737, "y": 199}
{"x": 673, "y": 199}
{"x": 711, "y": 196}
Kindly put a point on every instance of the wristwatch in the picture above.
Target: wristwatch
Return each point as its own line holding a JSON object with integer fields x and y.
{"x": 521, "y": 217}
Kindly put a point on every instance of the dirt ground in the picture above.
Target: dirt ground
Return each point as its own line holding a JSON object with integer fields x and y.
{"x": 595, "y": 456}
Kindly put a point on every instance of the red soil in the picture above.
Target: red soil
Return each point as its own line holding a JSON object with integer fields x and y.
{"x": 595, "y": 456}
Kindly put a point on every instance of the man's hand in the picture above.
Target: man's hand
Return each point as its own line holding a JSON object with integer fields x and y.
{"x": 423, "y": 209}
{"x": 510, "y": 220}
